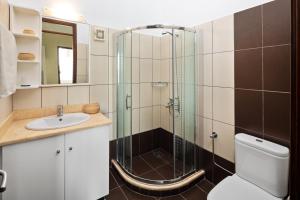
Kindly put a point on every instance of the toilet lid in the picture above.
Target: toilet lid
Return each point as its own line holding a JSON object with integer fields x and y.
{"x": 236, "y": 188}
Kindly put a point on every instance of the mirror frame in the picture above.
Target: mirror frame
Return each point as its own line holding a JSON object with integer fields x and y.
{"x": 73, "y": 24}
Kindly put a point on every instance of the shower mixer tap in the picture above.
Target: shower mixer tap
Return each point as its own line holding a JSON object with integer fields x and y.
{"x": 172, "y": 104}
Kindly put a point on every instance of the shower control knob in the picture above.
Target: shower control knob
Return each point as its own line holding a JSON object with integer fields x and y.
{"x": 70, "y": 148}
{"x": 57, "y": 152}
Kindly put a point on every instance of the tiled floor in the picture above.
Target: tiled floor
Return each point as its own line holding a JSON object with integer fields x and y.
{"x": 155, "y": 165}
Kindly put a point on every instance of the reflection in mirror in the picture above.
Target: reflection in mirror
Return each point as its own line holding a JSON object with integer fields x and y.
{"x": 65, "y": 52}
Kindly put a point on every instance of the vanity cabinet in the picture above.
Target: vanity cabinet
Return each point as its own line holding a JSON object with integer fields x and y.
{"x": 73, "y": 166}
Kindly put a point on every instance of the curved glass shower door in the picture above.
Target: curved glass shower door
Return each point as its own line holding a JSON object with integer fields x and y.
{"x": 124, "y": 98}
{"x": 176, "y": 106}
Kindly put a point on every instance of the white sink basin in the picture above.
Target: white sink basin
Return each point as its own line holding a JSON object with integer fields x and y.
{"x": 54, "y": 122}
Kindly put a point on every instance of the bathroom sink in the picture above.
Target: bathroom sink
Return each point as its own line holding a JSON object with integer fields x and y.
{"x": 55, "y": 122}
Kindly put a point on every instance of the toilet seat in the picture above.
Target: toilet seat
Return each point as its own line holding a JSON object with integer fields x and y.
{"x": 236, "y": 188}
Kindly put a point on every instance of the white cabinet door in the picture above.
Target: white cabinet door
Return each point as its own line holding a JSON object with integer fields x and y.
{"x": 87, "y": 164}
{"x": 35, "y": 170}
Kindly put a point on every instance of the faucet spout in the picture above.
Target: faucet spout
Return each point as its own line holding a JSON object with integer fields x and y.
{"x": 60, "y": 111}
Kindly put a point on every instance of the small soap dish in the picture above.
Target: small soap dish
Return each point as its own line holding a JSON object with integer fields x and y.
{"x": 160, "y": 84}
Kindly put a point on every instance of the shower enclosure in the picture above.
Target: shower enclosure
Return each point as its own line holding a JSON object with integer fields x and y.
{"x": 178, "y": 107}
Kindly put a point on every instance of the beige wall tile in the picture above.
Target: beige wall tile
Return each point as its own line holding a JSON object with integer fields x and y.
{"x": 135, "y": 121}
{"x": 204, "y": 101}
{"x": 135, "y": 70}
{"x": 54, "y": 96}
{"x": 112, "y": 101}
{"x": 223, "y": 105}
{"x": 99, "y": 70}
{"x": 204, "y": 75}
{"x": 223, "y": 69}
{"x": 156, "y": 117}
{"x": 156, "y": 70}
{"x": 26, "y": 99}
{"x": 100, "y": 94}
{"x": 164, "y": 118}
{"x": 146, "y": 119}
{"x": 145, "y": 46}
{"x": 204, "y": 38}
{"x": 166, "y": 47}
{"x": 145, "y": 94}
{"x": 135, "y": 45}
{"x": 112, "y": 43}
{"x": 223, "y": 34}
{"x": 78, "y": 95}
{"x": 146, "y": 70}
{"x": 135, "y": 95}
{"x": 203, "y": 132}
{"x": 99, "y": 48}
{"x": 156, "y": 96}
{"x": 112, "y": 70}
{"x": 224, "y": 144}
{"x": 165, "y": 70}
{"x": 164, "y": 95}
{"x": 156, "y": 47}
{"x": 5, "y": 107}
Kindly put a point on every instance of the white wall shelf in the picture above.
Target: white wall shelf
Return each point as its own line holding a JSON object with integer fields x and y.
{"x": 22, "y": 35}
{"x": 29, "y": 71}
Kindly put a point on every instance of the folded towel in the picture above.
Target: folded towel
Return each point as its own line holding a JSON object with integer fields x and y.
{"x": 8, "y": 62}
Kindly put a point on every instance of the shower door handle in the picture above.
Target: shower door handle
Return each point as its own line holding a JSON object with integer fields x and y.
{"x": 127, "y": 106}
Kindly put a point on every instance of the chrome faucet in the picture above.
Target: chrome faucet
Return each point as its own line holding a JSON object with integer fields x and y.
{"x": 60, "y": 110}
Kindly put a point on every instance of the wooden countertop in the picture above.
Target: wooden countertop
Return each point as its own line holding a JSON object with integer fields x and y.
{"x": 13, "y": 130}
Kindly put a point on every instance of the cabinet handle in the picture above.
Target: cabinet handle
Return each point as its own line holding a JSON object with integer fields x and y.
{"x": 57, "y": 152}
{"x": 70, "y": 148}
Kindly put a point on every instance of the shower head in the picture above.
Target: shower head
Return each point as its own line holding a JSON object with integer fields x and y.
{"x": 167, "y": 32}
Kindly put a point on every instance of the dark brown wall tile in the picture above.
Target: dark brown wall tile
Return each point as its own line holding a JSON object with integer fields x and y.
{"x": 248, "y": 109}
{"x": 248, "y": 69}
{"x": 276, "y": 67}
{"x": 277, "y": 115}
{"x": 248, "y": 28}
{"x": 277, "y": 23}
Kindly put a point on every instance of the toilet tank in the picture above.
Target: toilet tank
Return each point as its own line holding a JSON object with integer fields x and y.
{"x": 262, "y": 163}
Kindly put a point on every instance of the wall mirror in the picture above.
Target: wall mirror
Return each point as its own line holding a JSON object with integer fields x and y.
{"x": 65, "y": 52}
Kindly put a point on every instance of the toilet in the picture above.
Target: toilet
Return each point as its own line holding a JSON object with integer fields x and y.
{"x": 262, "y": 170}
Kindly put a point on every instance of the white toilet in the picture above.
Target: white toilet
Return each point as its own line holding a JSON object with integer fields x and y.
{"x": 262, "y": 170}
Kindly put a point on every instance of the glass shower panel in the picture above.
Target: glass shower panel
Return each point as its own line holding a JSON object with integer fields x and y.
{"x": 124, "y": 98}
{"x": 189, "y": 88}
{"x": 184, "y": 101}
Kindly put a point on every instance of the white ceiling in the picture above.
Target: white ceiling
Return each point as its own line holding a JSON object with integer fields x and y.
{"x": 121, "y": 14}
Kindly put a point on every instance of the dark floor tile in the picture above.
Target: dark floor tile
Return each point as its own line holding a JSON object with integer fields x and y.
{"x": 166, "y": 171}
{"x": 206, "y": 185}
{"x": 112, "y": 183}
{"x": 166, "y": 156}
{"x": 116, "y": 194}
{"x": 131, "y": 195}
{"x": 195, "y": 193}
{"x": 117, "y": 177}
{"x": 154, "y": 158}
{"x": 176, "y": 197}
{"x": 139, "y": 166}
{"x": 152, "y": 175}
